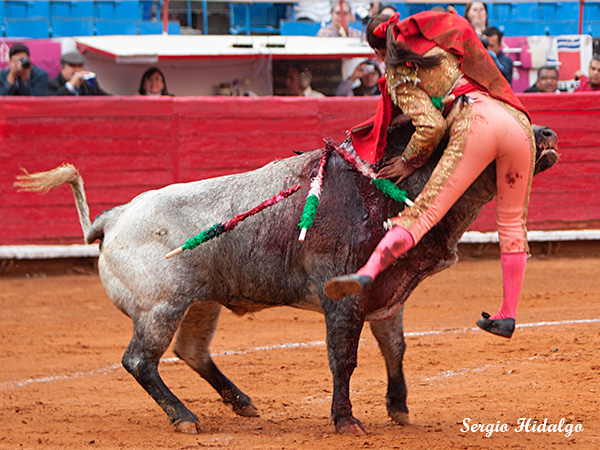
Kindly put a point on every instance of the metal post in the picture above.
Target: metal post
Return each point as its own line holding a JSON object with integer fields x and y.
{"x": 166, "y": 17}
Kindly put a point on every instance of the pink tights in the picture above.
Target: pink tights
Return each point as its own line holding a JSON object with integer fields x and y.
{"x": 395, "y": 242}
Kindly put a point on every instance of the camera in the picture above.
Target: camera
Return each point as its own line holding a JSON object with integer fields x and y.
{"x": 485, "y": 41}
{"x": 25, "y": 62}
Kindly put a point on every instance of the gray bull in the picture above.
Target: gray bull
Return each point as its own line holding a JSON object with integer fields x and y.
{"x": 261, "y": 264}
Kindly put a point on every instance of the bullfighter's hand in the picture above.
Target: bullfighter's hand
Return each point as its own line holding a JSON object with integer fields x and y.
{"x": 396, "y": 168}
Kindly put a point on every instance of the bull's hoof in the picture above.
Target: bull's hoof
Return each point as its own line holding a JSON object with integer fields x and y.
{"x": 349, "y": 427}
{"x": 185, "y": 426}
{"x": 401, "y": 418}
{"x": 247, "y": 411}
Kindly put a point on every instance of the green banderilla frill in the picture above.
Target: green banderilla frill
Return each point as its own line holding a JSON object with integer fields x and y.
{"x": 390, "y": 189}
{"x": 214, "y": 231}
{"x": 310, "y": 209}
{"x": 438, "y": 102}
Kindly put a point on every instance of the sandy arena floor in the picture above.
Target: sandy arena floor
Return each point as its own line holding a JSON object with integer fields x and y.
{"x": 62, "y": 385}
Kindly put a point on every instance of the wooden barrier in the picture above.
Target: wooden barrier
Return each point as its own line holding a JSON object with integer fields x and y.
{"x": 124, "y": 146}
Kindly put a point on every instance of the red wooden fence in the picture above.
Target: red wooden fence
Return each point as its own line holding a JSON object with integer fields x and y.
{"x": 126, "y": 145}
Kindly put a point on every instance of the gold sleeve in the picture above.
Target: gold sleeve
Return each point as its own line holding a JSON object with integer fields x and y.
{"x": 430, "y": 125}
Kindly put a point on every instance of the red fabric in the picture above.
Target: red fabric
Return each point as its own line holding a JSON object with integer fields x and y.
{"x": 381, "y": 29}
{"x": 370, "y": 137}
{"x": 462, "y": 89}
{"x": 421, "y": 32}
{"x": 584, "y": 85}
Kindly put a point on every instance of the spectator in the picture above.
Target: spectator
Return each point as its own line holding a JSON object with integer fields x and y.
{"x": 387, "y": 10}
{"x": 73, "y": 79}
{"x": 368, "y": 72}
{"x": 477, "y": 15}
{"x": 22, "y": 77}
{"x": 547, "y": 80}
{"x": 318, "y": 11}
{"x": 593, "y": 82}
{"x": 298, "y": 82}
{"x": 364, "y": 10}
{"x": 340, "y": 21}
{"x": 493, "y": 36}
{"x": 153, "y": 83}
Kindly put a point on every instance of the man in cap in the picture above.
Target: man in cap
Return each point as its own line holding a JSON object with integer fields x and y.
{"x": 73, "y": 79}
{"x": 368, "y": 72}
{"x": 22, "y": 77}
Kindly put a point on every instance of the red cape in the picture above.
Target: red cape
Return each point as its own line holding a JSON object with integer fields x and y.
{"x": 421, "y": 32}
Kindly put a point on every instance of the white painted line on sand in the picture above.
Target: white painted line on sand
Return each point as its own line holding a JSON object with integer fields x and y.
{"x": 289, "y": 345}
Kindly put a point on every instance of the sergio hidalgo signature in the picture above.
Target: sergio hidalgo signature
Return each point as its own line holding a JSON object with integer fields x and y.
{"x": 525, "y": 425}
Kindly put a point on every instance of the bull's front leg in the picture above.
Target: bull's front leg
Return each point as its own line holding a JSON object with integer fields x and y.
{"x": 390, "y": 337}
{"x": 344, "y": 321}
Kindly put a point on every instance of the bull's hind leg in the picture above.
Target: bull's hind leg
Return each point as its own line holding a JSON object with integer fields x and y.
{"x": 344, "y": 321}
{"x": 193, "y": 339}
{"x": 390, "y": 336}
{"x": 152, "y": 333}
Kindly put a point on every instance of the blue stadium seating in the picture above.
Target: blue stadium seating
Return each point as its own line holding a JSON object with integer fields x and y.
{"x": 73, "y": 26}
{"x": 118, "y": 9}
{"x": 248, "y": 18}
{"x": 148, "y": 6}
{"x": 22, "y": 9}
{"x": 299, "y": 28}
{"x": 72, "y": 8}
{"x": 117, "y": 26}
{"x": 32, "y": 28}
{"x": 151, "y": 27}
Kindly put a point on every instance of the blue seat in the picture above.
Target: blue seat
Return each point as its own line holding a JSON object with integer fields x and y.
{"x": 156, "y": 27}
{"x": 117, "y": 26}
{"x": 73, "y": 26}
{"x": 118, "y": 9}
{"x": 592, "y": 27}
{"x": 21, "y": 9}
{"x": 299, "y": 28}
{"x": 414, "y": 8}
{"x": 501, "y": 12}
{"x": 525, "y": 28}
{"x": 557, "y": 27}
{"x": 147, "y": 8}
{"x": 591, "y": 12}
{"x": 151, "y": 27}
{"x": 32, "y": 28}
{"x": 559, "y": 11}
{"x": 72, "y": 8}
{"x": 174, "y": 27}
{"x": 247, "y": 18}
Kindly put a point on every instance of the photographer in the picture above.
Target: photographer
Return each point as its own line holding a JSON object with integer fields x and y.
{"x": 73, "y": 79}
{"x": 22, "y": 77}
{"x": 368, "y": 72}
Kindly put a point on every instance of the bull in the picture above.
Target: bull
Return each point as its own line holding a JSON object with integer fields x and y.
{"x": 261, "y": 264}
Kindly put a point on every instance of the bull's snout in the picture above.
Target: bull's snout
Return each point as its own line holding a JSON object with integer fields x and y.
{"x": 549, "y": 134}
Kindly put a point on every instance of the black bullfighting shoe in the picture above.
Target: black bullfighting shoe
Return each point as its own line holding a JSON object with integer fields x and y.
{"x": 501, "y": 327}
{"x": 337, "y": 288}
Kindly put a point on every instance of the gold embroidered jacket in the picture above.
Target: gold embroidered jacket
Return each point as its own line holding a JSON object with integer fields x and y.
{"x": 412, "y": 90}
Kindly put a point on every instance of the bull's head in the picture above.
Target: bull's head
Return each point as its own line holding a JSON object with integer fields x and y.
{"x": 546, "y": 144}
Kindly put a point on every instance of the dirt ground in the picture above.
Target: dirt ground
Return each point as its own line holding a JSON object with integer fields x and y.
{"x": 62, "y": 385}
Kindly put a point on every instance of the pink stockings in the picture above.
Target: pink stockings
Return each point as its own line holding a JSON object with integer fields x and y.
{"x": 398, "y": 241}
{"x": 513, "y": 271}
{"x": 395, "y": 242}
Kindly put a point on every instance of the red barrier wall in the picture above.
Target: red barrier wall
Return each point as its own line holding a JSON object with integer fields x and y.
{"x": 126, "y": 145}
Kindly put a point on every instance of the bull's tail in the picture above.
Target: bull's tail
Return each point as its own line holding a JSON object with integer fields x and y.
{"x": 44, "y": 181}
